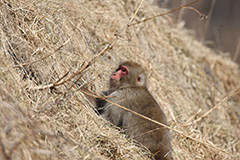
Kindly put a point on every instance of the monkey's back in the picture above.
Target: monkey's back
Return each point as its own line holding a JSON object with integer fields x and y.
{"x": 155, "y": 137}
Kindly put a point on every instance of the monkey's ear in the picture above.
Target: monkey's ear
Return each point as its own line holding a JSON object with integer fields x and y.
{"x": 141, "y": 80}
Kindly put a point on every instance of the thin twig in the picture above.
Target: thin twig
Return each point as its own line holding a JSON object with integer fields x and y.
{"x": 91, "y": 60}
{"x": 85, "y": 65}
{"x": 154, "y": 121}
{"x": 237, "y": 91}
{"x": 162, "y": 14}
{"x": 201, "y": 15}
{"x": 135, "y": 13}
{"x": 55, "y": 51}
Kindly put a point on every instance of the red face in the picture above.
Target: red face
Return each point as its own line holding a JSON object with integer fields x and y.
{"x": 120, "y": 72}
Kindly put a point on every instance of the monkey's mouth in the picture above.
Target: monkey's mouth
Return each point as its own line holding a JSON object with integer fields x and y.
{"x": 114, "y": 82}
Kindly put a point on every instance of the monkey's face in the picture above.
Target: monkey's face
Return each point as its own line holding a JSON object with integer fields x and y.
{"x": 118, "y": 75}
{"x": 128, "y": 74}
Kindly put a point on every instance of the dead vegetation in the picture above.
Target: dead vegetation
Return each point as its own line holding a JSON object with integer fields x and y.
{"x": 50, "y": 50}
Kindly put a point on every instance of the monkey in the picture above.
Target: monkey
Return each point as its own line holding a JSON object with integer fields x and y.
{"x": 128, "y": 88}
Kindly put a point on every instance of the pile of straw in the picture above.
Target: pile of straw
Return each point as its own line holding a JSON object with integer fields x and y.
{"x": 51, "y": 49}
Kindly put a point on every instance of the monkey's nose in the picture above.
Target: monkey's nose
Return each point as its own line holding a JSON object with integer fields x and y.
{"x": 117, "y": 75}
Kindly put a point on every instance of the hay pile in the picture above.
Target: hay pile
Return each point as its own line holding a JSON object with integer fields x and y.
{"x": 47, "y": 42}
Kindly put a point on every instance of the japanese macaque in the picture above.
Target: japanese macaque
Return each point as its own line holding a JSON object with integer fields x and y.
{"x": 128, "y": 89}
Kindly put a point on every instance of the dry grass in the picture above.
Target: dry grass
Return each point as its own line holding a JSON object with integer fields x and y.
{"x": 47, "y": 42}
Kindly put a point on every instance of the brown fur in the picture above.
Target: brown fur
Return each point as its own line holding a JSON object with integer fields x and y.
{"x": 132, "y": 94}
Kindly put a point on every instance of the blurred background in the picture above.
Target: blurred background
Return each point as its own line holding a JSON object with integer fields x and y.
{"x": 220, "y": 31}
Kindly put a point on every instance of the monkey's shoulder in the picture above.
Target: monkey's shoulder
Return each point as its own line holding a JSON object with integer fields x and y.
{"x": 130, "y": 94}
{"x": 136, "y": 98}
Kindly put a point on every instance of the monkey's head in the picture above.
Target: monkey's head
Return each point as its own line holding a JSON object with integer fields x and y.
{"x": 128, "y": 74}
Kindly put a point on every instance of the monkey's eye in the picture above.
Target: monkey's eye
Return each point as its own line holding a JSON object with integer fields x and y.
{"x": 124, "y": 70}
{"x": 139, "y": 79}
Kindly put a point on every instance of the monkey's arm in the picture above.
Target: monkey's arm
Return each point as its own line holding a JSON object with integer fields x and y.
{"x": 97, "y": 103}
{"x": 100, "y": 103}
